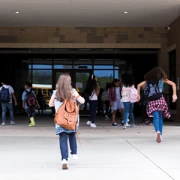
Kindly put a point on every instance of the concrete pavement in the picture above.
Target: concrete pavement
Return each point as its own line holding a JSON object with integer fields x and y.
{"x": 105, "y": 153}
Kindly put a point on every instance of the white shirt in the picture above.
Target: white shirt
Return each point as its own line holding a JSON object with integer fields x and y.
{"x": 125, "y": 94}
{"x": 11, "y": 90}
{"x": 93, "y": 96}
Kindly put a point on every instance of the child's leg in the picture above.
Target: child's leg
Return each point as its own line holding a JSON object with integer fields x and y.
{"x": 156, "y": 121}
{"x": 113, "y": 116}
{"x": 156, "y": 125}
{"x": 122, "y": 114}
{"x": 126, "y": 112}
{"x": 160, "y": 122}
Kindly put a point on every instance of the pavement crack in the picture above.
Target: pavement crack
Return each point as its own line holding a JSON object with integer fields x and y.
{"x": 148, "y": 159}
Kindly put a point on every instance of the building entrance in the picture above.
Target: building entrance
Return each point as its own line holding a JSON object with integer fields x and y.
{"x": 43, "y": 67}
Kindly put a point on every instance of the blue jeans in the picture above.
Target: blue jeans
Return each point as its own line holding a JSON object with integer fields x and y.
{"x": 128, "y": 112}
{"x": 158, "y": 121}
{"x": 6, "y": 106}
{"x": 63, "y": 141}
{"x": 93, "y": 107}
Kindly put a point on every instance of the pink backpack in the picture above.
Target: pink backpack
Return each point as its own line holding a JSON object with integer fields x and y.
{"x": 133, "y": 95}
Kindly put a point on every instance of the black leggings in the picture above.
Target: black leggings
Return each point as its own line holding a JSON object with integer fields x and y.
{"x": 30, "y": 112}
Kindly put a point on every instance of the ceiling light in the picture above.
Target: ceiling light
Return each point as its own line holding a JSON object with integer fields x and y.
{"x": 17, "y": 12}
{"x": 125, "y": 12}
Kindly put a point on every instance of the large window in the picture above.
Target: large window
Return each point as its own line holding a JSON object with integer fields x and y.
{"x": 62, "y": 64}
{"x": 82, "y": 64}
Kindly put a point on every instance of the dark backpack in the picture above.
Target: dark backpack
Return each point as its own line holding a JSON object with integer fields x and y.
{"x": 4, "y": 95}
{"x": 152, "y": 91}
{"x": 30, "y": 99}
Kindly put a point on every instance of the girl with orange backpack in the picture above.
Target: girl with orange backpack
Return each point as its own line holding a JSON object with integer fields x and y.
{"x": 63, "y": 93}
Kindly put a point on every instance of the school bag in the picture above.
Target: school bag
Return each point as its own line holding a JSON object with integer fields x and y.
{"x": 104, "y": 96}
{"x": 67, "y": 114}
{"x": 4, "y": 95}
{"x": 133, "y": 94}
{"x": 152, "y": 90}
{"x": 30, "y": 99}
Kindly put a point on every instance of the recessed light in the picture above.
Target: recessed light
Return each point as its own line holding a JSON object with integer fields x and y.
{"x": 125, "y": 12}
{"x": 17, "y": 12}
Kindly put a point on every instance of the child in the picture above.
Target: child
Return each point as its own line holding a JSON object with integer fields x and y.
{"x": 30, "y": 109}
{"x": 156, "y": 104}
{"x": 115, "y": 100}
{"x": 93, "y": 90}
{"x": 63, "y": 91}
{"x": 127, "y": 83}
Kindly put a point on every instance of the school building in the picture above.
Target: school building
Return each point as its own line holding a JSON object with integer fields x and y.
{"x": 40, "y": 40}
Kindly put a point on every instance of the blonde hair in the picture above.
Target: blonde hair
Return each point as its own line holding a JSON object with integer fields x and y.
{"x": 64, "y": 87}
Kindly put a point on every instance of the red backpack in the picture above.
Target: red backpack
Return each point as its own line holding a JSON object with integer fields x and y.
{"x": 30, "y": 99}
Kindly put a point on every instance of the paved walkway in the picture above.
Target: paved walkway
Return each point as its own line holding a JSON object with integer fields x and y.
{"x": 105, "y": 153}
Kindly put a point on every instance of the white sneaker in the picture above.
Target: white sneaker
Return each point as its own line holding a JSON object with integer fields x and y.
{"x": 127, "y": 124}
{"x": 75, "y": 156}
{"x": 124, "y": 127}
{"x": 89, "y": 123}
{"x": 93, "y": 125}
{"x": 64, "y": 164}
{"x": 12, "y": 123}
{"x": 3, "y": 123}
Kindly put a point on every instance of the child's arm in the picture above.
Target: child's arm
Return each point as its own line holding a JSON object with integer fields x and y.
{"x": 139, "y": 86}
{"x": 52, "y": 100}
{"x": 167, "y": 81}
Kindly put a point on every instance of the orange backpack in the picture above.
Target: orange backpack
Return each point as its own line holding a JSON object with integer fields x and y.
{"x": 67, "y": 114}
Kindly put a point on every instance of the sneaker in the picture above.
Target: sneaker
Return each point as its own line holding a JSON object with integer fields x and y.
{"x": 93, "y": 125}
{"x": 3, "y": 123}
{"x": 127, "y": 125}
{"x": 114, "y": 124}
{"x": 89, "y": 123}
{"x": 64, "y": 164}
{"x": 124, "y": 127}
{"x": 132, "y": 125}
{"x": 158, "y": 137}
{"x": 106, "y": 118}
{"x": 75, "y": 156}
{"x": 12, "y": 123}
{"x": 32, "y": 122}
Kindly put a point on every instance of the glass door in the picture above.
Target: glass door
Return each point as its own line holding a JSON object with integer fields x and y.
{"x": 81, "y": 78}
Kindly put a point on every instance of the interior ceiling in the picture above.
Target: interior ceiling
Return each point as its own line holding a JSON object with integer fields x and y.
{"x": 88, "y": 13}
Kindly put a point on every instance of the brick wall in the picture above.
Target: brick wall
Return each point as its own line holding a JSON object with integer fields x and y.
{"x": 87, "y": 35}
{"x": 83, "y": 35}
{"x": 174, "y": 38}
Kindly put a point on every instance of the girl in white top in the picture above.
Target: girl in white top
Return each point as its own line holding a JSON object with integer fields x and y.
{"x": 115, "y": 100}
{"x": 93, "y": 90}
{"x": 127, "y": 83}
{"x": 63, "y": 91}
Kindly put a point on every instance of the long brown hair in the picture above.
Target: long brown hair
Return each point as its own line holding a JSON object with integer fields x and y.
{"x": 64, "y": 87}
{"x": 156, "y": 73}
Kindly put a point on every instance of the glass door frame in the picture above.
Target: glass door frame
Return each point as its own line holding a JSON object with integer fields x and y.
{"x": 72, "y": 73}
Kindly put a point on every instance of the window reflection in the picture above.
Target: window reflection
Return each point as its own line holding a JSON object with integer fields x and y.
{"x": 104, "y": 76}
{"x": 62, "y": 64}
{"x": 42, "y": 64}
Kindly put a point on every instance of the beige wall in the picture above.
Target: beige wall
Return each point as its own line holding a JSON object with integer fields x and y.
{"x": 84, "y": 37}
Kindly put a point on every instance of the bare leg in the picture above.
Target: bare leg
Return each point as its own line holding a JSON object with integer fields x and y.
{"x": 113, "y": 116}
